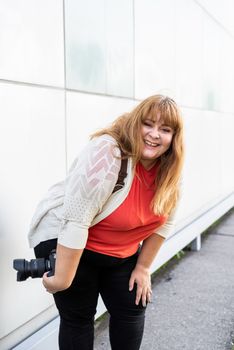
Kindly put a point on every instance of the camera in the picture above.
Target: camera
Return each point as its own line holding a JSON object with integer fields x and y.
{"x": 35, "y": 267}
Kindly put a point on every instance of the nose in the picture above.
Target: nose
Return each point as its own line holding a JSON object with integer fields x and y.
{"x": 155, "y": 132}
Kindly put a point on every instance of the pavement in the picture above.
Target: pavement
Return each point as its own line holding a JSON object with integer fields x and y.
{"x": 193, "y": 298}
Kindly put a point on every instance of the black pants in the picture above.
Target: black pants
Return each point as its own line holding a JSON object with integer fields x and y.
{"x": 109, "y": 276}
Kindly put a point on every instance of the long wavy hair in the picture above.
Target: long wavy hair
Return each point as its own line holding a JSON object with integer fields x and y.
{"x": 126, "y": 130}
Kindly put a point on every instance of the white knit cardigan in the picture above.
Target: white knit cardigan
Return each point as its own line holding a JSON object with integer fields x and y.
{"x": 85, "y": 197}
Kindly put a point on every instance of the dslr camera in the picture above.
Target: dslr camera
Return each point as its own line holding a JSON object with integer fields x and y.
{"x": 35, "y": 267}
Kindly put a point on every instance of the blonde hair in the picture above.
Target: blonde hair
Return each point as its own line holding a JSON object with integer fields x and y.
{"x": 126, "y": 130}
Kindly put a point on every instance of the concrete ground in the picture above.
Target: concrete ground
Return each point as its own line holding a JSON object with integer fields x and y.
{"x": 193, "y": 298}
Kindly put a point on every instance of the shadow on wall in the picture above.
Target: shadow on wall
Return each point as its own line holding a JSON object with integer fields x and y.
{"x": 86, "y": 66}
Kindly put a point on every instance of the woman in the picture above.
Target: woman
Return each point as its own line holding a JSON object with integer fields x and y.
{"x": 106, "y": 241}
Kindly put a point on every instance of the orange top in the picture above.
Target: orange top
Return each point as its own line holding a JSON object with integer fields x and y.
{"x": 120, "y": 233}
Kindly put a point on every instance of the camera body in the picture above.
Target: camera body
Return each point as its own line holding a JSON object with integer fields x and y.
{"x": 34, "y": 268}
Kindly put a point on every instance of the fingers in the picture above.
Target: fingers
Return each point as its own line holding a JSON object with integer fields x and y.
{"x": 149, "y": 296}
{"x": 46, "y": 283}
{"x": 45, "y": 279}
{"x": 131, "y": 283}
{"x": 143, "y": 294}
{"x": 143, "y": 284}
{"x": 139, "y": 295}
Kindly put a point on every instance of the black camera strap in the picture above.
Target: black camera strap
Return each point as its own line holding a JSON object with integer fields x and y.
{"x": 122, "y": 173}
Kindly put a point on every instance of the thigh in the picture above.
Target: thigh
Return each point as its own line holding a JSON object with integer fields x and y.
{"x": 79, "y": 301}
{"x": 114, "y": 289}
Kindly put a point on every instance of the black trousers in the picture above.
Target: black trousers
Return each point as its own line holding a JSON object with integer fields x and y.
{"x": 109, "y": 276}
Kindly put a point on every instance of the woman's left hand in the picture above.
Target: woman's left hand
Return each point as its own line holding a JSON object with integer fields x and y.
{"x": 141, "y": 276}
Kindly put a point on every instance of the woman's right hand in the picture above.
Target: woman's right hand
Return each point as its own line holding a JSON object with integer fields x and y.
{"x": 52, "y": 284}
{"x": 67, "y": 261}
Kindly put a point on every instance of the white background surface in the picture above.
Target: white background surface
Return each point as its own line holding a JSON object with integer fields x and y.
{"x": 175, "y": 47}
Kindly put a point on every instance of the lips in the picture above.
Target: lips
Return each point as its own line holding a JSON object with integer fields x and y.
{"x": 151, "y": 144}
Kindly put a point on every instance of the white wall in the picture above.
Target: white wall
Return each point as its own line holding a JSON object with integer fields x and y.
{"x": 116, "y": 53}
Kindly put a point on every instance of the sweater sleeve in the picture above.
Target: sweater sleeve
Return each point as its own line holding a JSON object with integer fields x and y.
{"x": 166, "y": 229}
{"x": 89, "y": 184}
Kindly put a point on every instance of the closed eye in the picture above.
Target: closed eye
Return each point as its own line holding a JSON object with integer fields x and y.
{"x": 166, "y": 129}
{"x": 148, "y": 123}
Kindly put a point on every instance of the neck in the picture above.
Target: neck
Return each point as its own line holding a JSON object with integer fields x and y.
{"x": 148, "y": 164}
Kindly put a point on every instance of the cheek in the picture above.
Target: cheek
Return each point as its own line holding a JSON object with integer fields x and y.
{"x": 143, "y": 131}
{"x": 169, "y": 141}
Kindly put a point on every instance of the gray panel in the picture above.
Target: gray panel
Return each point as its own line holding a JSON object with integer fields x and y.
{"x": 99, "y": 46}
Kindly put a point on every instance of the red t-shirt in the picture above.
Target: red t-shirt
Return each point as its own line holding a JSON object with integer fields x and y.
{"x": 120, "y": 233}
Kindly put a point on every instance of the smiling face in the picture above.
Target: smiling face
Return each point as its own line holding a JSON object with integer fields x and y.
{"x": 157, "y": 138}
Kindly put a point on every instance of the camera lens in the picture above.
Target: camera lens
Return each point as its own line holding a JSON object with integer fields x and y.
{"x": 37, "y": 267}
{"x": 19, "y": 265}
{"x": 34, "y": 268}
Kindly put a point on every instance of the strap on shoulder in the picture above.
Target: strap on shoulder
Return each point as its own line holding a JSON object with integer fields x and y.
{"x": 122, "y": 174}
